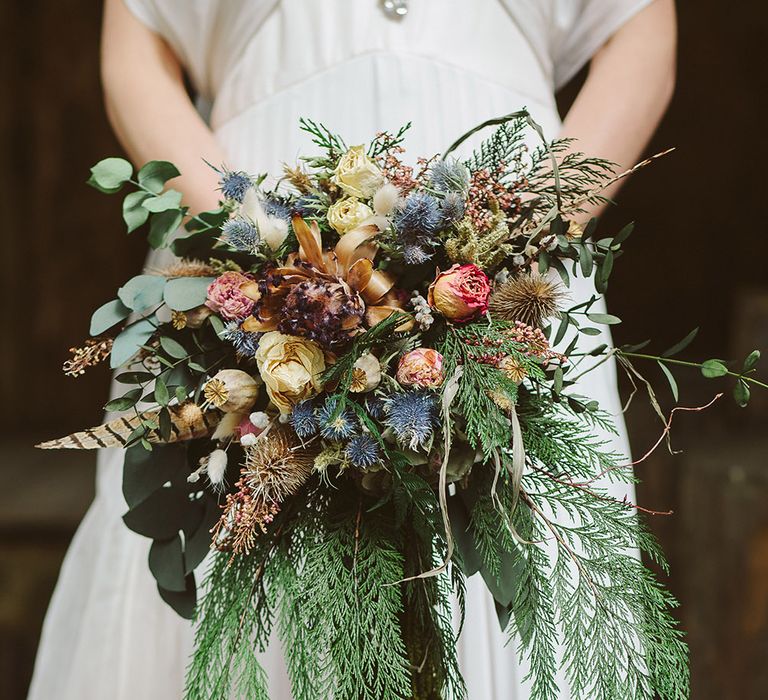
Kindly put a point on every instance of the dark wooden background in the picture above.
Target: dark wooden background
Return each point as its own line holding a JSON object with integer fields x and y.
{"x": 698, "y": 258}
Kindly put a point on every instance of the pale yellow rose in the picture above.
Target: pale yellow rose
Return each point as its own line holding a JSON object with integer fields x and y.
{"x": 348, "y": 214}
{"x": 357, "y": 174}
{"x": 291, "y": 368}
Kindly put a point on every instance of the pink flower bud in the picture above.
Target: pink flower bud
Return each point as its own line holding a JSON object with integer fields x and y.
{"x": 422, "y": 367}
{"x": 460, "y": 293}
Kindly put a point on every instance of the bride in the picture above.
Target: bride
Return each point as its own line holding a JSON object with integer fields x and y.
{"x": 359, "y": 66}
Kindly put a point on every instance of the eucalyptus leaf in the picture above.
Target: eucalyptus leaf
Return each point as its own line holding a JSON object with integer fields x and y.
{"x": 182, "y": 602}
{"x": 134, "y": 214}
{"x": 543, "y": 262}
{"x": 142, "y": 291}
{"x": 163, "y": 226}
{"x": 108, "y": 315}
{"x": 161, "y": 514}
{"x": 110, "y": 174}
{"x": 168, "y": 200}
{"x": 185, "y": 293}
{"x": 156, "y": 173}
{"x": 127, "y": 344}
{"x": 558, "y": 380}
{"x": 166, "y": 562}
{"x": 590, "y": 331}
{"x": 173, "y": 348}
{"x": 217, "y": 324}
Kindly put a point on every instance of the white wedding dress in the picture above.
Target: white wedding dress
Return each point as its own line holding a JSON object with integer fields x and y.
{"x": 262, "y": 64}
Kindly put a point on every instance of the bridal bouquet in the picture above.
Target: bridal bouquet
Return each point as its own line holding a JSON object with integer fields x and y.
{"x": 356, "y": 385}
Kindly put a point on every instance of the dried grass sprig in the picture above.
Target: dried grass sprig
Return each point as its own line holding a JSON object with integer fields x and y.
{"x": 92, "y": 353}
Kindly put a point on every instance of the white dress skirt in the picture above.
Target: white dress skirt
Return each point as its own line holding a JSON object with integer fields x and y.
{"x": 262, "y": 64}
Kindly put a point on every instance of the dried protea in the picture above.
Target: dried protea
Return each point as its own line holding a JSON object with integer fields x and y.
{"x": 326, "y": 311}
{"x": 529, "y": 298}
{"x": 325, "y": 296}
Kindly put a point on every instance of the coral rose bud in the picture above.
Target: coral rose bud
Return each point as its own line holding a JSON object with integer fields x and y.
{"x": 460, "y": 293}
{"x": 225, "y": 296}
{"x": 422, "y": 367}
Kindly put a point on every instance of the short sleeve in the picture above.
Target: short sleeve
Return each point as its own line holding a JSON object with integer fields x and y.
{"x": 581, "y": 27}
{"x": 146, "y": 12}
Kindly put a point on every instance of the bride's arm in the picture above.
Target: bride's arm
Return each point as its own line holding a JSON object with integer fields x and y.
{"x": 628, "y": 88}
{"x": 149, "y": 108}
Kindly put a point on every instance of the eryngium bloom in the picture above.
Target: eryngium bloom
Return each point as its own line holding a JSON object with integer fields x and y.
{"x": 528, "y": 298}
{"x": 412, "y": 416}
{"x": 304, "y": 420}
{"x": 240, "y": 234}
{"x": 234, "y": 185}
{"x": 245, "y": 342}
{"x": 336, "y": 424}
{"x": 417, "y": 221}
{"x": 450, "y": 176}
{"x": 363, "y": 451}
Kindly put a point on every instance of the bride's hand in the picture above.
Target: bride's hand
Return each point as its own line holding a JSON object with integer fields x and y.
{"x": 149, "y": 108}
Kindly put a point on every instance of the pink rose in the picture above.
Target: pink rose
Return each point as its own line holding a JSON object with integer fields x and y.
{"x": 226, "y": 298}
{"x": 460, "y": 293}
{"x": 422, "y": 367}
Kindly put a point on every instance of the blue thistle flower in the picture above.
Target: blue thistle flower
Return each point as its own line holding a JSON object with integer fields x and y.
{"x": 246, "y": 343}
{"x": 234, "y": 185}
{"x": 276, "y": 208}
{"x": 450, "y": 176}
{"x": 375, "y": 406}
{"x": 307, "y": 206}
{"x": 453, "y": 208}
{"x": 240, "y": 234}
{"x": 412, "y": 416}
{"x": 416, "y": 221}
{"x": 415, "y": 255}
{"x": 363, "y": 451}
{"x": 336, "y": 425}
{"x": 303, "y": 419}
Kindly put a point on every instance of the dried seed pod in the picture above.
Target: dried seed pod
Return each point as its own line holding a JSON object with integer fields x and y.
{"x": 232, "y": 391}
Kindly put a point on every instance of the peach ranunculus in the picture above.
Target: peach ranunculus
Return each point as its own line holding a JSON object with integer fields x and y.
{"x": 460, "y": 293}
{"x": 357, "y": 174}
{"x": 291, "y": 368}
{"x": 225, "y": 296}
{"x": 422, "y": 367}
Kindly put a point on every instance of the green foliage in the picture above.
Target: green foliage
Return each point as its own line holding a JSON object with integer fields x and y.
{"x": 584, "y": 584}
{"x": 332, "y": 144}
{"x": 487, "y": 424}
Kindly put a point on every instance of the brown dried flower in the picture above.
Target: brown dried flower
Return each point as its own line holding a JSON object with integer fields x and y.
{"x": 187, "y": 268}
{"x": 94, "y": 351}
{"x": 528, "y": 298}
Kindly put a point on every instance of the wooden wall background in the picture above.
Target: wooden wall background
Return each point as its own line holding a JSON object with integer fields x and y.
{"x": 698, "y": 258}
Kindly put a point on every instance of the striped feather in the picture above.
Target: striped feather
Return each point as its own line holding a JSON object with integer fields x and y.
{"x": 188, "y": 422}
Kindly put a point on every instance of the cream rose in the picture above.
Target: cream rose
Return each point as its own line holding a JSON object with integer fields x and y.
{"x": 357, "y": 174}
{"x": 347, "y": 214}
{"x": 290, "y": 367}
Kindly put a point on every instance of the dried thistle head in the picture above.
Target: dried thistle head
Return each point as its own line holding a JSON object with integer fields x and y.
{"x": 186, "y": 268}
{"x": 529, "y": 298}
{"x": 298, "y": 178}
{"x": 277, "y": 465}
